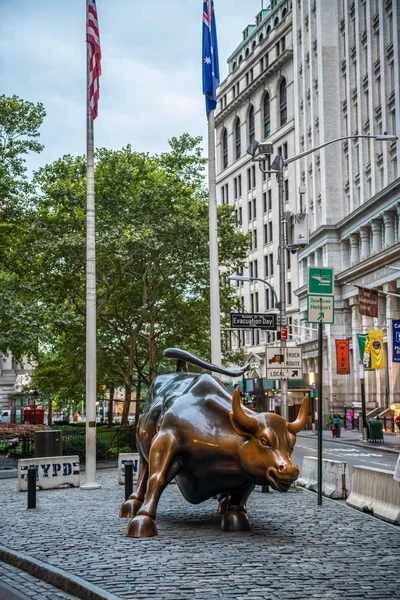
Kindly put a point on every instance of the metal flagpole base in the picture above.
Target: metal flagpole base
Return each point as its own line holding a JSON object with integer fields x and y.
{"x": 90, "y": 486}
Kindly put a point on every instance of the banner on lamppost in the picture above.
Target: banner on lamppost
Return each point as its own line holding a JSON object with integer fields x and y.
{"x": 368, "y": 302}
{"x": 396, "y": 340}
{"x": 342, "y": 357}
{"x": 376, "y": 346}
{"x": 365, "y": 350}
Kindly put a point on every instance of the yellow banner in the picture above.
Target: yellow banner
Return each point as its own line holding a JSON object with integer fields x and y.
{"x": 376, "y": 349}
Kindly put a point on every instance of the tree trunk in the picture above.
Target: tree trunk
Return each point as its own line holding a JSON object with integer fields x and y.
{"x": 127, "y": 402}
{"x": 110, "y": 405}
{"x": 137, "y": 410}
{"x": 50, "y": 413}
{"x": 152, "y": 345}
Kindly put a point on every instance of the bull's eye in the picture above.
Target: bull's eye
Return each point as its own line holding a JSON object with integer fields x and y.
{"x": 263, "y": 441}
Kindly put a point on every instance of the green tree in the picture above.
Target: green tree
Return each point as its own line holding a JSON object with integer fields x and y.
{"x": 152, "y": 262}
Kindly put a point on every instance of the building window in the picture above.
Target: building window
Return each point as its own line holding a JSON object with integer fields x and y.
{"x": 265, "y": 233}
{"x": 267, "y": 306}
{"x": 254, "y": 208}
{"x": 288, "y": 260}
{"x": 254, "y": 239}
{"x": 265, "y": 206}
{"x": 267, "y": 116}
{"x": 248, "y": 179}
{"x": 271, "y": 264}
{"x": 289, "y": 293}
{"x": 286, "y": 190}
{"x": 283, "y": 102}
{"x": 224, "y": 149}
{"x": 240, "y": 185}
{"x": 271, "y": 231}
{"x": 237, "y": 139}
{"x": 256, "y": 275}
{"x": 253, "y": 173}
{"x": 269, "y": 199}
{"x": 252, "y": 131}
{"x": 266, "y": 266}
{"x": 249, "y": 210}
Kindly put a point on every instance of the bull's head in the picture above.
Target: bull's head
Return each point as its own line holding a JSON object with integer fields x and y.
{"x": 270, "y": 439}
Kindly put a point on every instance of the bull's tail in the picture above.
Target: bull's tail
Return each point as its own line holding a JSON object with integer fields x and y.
{"x": 182, "y": 357}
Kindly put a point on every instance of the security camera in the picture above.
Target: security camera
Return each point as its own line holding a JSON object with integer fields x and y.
{"x": 293, "y": 251}
{"x": 303, "y": 246}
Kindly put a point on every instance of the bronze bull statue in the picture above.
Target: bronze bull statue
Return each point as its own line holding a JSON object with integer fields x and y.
{"x": 195, "y": 432}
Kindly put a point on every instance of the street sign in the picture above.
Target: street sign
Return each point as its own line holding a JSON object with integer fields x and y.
{"x": 284, "y": 363}
{"x": 320, "y": 281}
{"x": 253, "y": 321}
{"x": 320, "y": 309}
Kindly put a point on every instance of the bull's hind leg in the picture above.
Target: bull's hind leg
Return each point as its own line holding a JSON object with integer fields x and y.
{"x": 135, "y": 500}
{"x": 162, "y": 470}
{"x": 235, "y": 517}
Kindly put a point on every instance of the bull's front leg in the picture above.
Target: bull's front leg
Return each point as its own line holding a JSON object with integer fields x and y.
{"x": 233, "y": 507}
{"x": 135, "y": 500}
{"x": 162, "y": 469}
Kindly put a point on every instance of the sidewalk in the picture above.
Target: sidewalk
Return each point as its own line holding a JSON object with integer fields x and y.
{"x": 294, "y": 551}
{"x": 391, "y": 441}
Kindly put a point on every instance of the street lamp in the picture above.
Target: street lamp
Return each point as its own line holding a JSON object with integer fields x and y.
{"x": 248, "y": 278}
{"x": 259, "y": 153}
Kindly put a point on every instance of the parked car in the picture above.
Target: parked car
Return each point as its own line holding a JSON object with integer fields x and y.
{"x": 5, "y": 416}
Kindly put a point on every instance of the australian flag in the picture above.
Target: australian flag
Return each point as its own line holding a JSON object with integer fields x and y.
{"x": 210, "y": 56}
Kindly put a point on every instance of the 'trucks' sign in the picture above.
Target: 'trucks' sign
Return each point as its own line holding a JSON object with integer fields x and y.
{"x": 51, "y": 472}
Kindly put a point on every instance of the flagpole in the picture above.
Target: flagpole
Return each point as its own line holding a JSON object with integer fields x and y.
{"x": 213, "y": 228}
{"x": 90, "y": 465}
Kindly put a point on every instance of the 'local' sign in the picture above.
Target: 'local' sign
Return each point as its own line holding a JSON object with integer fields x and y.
{"x": 320, "y": 309}
{"x": 284, "y": 363}
{"x": 51, "y": 472}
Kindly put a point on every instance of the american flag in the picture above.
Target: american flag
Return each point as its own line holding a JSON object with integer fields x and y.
{"x": 93, "y": 39}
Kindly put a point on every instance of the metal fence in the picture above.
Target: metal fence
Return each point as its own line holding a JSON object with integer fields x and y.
{"x": 110, "y": 441}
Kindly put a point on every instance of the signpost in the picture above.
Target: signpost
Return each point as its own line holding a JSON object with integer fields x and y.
{"x": 253, "y": 321}
{"x": 320, "y": 309}
{"x": 284, "y": 363}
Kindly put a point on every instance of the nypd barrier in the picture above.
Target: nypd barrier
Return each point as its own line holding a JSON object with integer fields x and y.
{"x": 122, "y": 458}
{"x": 335, "y": 477}
{"x": 375, "y": 491}
{"x": 51, "y": 472}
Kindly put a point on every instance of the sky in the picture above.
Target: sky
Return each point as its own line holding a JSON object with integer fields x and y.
{"x": 151, "y": 85}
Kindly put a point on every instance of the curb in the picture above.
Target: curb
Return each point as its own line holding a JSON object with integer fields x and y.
{"x": 66, "y": 582}
{"x": 352, "y": 443}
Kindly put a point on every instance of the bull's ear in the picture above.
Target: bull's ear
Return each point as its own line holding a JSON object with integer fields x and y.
{"x": 238, "y": 428}
{"x": 302, "y": 417}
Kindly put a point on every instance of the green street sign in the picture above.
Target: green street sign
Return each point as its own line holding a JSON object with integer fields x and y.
{"x": 320, "y": 281}
{"x": 320, "y": 309}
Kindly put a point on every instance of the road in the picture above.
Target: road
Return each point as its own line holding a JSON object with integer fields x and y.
{"x": 16, "y": 584}
{"x": 353, "y": 455}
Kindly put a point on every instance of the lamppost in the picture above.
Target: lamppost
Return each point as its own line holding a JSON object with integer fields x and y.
{"x": 259, "y": 153}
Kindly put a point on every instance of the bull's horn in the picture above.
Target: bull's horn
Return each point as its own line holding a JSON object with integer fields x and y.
{"x": 246, "y": 421}
{"x": 302, "y": 417}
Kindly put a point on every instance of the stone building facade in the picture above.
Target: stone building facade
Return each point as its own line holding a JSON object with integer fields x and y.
{"x": 341, "y": 68}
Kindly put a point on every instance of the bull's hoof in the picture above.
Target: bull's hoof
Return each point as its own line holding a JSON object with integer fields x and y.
{"x": 142, "y": 526}
{"x": 130, "y": 508}
{"x": 235, "y": 520}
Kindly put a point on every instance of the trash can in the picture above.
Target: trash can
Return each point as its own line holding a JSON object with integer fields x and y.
{"x": 375, "y": 431}
{"x": 48, "y": 443}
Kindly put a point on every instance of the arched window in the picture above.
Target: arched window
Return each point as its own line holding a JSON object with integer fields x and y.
{"x": 224, "y": 149}
{"x": 283, "y": 102}
{"x": 268, "y": 29}
{"x": 276, "y": 21}
{"x": 267, "y": 116}
{"x": 261, "y": 37}
{"x": 252, "y": 129}
{"x": 234, "y": 66}
{"x": 247, "y": 52}
{"x": 238, "y": 139}
{"x": 240, "y": 59}
{"x": 254, "y": 44}
{"x": 284, "y": 13}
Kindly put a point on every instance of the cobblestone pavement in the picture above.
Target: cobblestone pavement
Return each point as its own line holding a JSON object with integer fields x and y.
{"x": 295, "y": 550}
{"x": 16, "y": 584}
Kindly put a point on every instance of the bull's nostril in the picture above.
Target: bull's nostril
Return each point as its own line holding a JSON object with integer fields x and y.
{"x": 281, "y": 468}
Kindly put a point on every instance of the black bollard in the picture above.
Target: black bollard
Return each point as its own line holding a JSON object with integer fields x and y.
{"x": 31, "y": 487}
{"x": 264, "y": 489}
{"x": 128, "y": 478}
